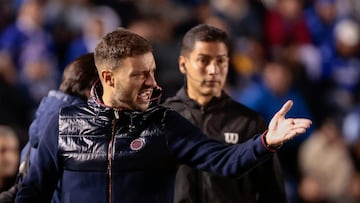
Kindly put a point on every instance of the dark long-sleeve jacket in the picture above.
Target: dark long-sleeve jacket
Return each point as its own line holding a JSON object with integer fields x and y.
{"x": 230, "y": 122}
{"x": 47, "y": 114}
{"x": 49, "y": 107}
{"x": 106, "y": 154}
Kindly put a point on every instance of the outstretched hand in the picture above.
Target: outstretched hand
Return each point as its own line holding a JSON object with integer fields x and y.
{"x": 282, "y": 129}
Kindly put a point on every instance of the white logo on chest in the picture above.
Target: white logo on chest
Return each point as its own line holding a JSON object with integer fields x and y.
{"x": 231, "y": 138}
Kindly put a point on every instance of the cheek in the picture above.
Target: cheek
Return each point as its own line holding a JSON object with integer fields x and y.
{"x": 224, "y": 73}
{"x": 132, "y": 89}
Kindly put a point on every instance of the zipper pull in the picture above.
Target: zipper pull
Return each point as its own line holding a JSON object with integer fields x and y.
{"x": 116, "y": 112}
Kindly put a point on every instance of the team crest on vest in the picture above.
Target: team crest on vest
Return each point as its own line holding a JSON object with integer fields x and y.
{"x": 231, "y": 138}
{"x": 137, "y": 144}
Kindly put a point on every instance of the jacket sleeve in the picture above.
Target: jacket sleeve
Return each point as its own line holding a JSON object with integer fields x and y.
{"x": 43, "y": 175}
{"x": 191, "y": 147}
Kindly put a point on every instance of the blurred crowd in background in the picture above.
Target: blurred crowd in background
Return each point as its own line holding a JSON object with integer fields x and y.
{"x": 304, "y": 50}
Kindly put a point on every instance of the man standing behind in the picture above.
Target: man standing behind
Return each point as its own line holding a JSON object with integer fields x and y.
{"x": 204, "y": 60}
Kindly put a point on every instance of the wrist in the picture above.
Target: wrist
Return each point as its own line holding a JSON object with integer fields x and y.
{"x": 272, "y": 148}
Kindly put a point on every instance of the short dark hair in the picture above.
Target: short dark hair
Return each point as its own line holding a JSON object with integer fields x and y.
{"x": 203, "y": 33}
{"x": 79, "y": 76}
{"x": 117, "y": 45}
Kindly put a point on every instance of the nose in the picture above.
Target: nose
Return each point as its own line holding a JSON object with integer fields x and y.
{"x": 212, "y": 68}
{"x": 150, "y": 81}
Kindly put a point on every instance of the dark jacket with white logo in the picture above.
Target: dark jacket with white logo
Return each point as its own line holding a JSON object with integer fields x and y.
{"x": 107, "y": 155}
{"x": 230, "y": 122}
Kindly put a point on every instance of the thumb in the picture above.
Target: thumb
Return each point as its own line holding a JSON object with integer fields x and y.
{"x": 281, "y": 113}
{"x": 284, "y": 109}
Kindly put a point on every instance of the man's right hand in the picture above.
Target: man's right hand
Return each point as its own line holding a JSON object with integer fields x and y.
{"x": 283, "y": 129}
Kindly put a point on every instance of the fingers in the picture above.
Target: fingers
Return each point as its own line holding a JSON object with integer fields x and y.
{"x": 287, "y": 129}
{"x": 293, "y": 133}
{"x": 297, "y": 127}
{"x": 284, "y": 109}
{"x": 280, "y": 114}
{"x": 282, "y": 129}
{"x": 302, "y": 122}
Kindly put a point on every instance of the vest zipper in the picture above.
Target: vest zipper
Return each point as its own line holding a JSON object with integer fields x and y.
{"x": 111, "y": 153}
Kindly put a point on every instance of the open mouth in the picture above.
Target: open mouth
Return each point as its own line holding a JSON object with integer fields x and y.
{"x": 145, "y": 95}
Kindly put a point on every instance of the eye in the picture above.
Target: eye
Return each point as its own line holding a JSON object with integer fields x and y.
{"x": 221, "y": 61}
{"x": 138, "y": 75}
{"x": 203, "y": 61}
{"x": 143, "y": 74}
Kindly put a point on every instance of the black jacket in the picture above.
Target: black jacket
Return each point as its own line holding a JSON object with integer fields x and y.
{"x": 105, "y": 154}
{"x": 230, "y": 122}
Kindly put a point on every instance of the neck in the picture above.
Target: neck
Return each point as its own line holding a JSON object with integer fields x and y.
{"x": 106, "y": 99}
{"x": 200, "y": 99}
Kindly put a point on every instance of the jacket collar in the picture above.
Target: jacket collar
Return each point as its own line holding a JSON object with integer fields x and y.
{"x": 183, "y": 96}
{"x": 96, "y": 102}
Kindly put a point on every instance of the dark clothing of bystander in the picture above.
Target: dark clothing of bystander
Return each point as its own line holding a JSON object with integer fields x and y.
{"x": 230, "y": 122}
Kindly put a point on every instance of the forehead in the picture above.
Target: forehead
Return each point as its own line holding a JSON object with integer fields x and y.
{"x": 139, "y": 62}
{"x": 8, "y": 140}
{"x": 210, "y": 48}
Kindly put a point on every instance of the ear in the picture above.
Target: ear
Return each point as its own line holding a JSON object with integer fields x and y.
{"x": 182, "y": 64}
{"x": 107, "y": 77}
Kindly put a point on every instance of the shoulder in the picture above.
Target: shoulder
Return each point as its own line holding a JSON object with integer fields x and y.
{"x": 175, "y": 120}
{"x": 174, "y": 103}
{"x": 76, "y": 109}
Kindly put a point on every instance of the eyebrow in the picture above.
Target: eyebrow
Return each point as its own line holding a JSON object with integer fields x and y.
{"x": 207, "y": 55}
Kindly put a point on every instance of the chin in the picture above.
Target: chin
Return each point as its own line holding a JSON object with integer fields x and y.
{"x": 211, "y": 92}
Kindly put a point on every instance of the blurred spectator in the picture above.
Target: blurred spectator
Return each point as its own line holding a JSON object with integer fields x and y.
{"x": 29, "y": 46}
{"x": 7, "y": 13}
{"x": 15, "y": 103}
{"x": 100, "y": 20}
{"x": 64, "y": 21}
{"x": 341, "y": 66}
{"x": 240, "y": 16}
{"x": 247, "y": 59}
{"x": 158, "y": 21}
{"x": 275, "y": 86}
{"x": 328, "y": 173}
{"x": 321, "y": 18}
{"x": 75, "y": 13}
{"x": 243, "y": 23}
{"x": 349, "y": 8}
{"x": 155, "y": 14}
{"x": 351, "y": 131}
{"x": 9, "y": 157}
{"x": 285, "y": 24}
